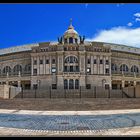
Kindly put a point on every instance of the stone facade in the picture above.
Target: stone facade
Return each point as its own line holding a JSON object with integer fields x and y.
{"x": 70, "y": 63}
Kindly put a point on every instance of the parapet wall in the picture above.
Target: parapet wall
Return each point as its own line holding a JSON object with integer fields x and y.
{"x": 4, "y": 91}
{"x": 9, "y": 92}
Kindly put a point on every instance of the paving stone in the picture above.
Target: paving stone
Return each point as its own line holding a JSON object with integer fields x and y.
{"x": 28, "y": 124}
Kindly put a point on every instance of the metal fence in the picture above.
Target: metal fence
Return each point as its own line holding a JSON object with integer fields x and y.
{"x": 82, "y": 92}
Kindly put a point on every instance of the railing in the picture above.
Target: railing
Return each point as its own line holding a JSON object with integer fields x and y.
{"x": 69, "y": 73}
{"x": 129, "y": 74}
{"x": 15, "y": 75}
{"x": 81, "y": 92}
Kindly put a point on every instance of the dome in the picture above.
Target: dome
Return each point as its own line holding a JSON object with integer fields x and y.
{"x": 70, "y": 32}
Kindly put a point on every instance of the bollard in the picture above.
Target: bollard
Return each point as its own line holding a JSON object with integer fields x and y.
{"x": 10, "y": 92}
{"x": 35, "y": 92}
{"x": 109, "y": 92}
{"x": 50, "y": 92}
{"x": 122, "y": 92}
{"x": 22, "y": 92}
{"x": 65, "y": 92}
{"x": 95, "y": 91}
{"x": 80, "y": 91}
{"x": 134, "y": 92}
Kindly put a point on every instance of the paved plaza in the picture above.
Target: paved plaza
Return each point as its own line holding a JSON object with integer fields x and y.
{"x": 54, "y": 123}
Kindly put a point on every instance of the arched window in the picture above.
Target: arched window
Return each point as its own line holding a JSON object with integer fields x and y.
{"x": 6, "y": 70}
{"x": 134, "y": 69}
{"x": 76, "y": 84}
{"x": 71, "y": 59}
{"x": 17, "y": 69}
{"x": 124, "y": 68}
{"x": 65, "y": 84}
{"x": 71, "y": 84}
{"x": 113, "y": 67}
{"x": 71, "y": 64}
{"x": 70, "y": 40}
{"x": 27, "y": 69}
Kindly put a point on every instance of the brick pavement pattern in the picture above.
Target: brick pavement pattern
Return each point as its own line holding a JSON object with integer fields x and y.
{"x": 46, "y": 123}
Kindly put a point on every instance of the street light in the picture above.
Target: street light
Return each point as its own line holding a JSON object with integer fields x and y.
{"x": 38, "y": 83}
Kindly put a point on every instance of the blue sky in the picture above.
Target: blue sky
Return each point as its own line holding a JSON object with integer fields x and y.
{"x": 30, "y": 23}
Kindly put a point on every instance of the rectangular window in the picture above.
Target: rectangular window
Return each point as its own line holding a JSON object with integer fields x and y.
{"x": 71, "y": 68}
{"x": 107, "y": 62}
{"x": 77, "y": 68}
{"x": 65, "y": 68}
{"x": 101, "y": 61}
{"x": 53, "y": 61}
{"x": 35, "y": 72}
{"x": 95, "y": 62}
{"x": 107, "y": 71}
{"x": 54, "y": 86}
{"x": 47, "y": 61}
{"x": 35, "y": 62}
{"x": 88, "y": 61}
{"x": 41, "y": 61}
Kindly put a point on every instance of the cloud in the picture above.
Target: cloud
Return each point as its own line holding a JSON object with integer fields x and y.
{"x": 137, "y": 14}
{"x": 130, "y": 24}
{"x": 137, "y": 19}
{"x": 119, "y": 35}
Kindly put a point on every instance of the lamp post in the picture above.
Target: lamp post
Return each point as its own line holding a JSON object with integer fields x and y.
{"x": 38, "y": 83}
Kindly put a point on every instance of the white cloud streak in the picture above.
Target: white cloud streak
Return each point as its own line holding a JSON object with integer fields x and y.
{"x": 137, "y": 19}
{"x": 130, "y": 24}
{"x": 137, "y": 14}
{"x": 119, "y": 35}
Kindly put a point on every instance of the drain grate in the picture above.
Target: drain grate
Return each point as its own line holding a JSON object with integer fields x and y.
{"x": 83, "y": 128}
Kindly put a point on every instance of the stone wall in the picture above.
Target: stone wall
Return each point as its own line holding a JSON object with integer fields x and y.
{"x": 7, "y": 91}
{"x": 4, "y": 91}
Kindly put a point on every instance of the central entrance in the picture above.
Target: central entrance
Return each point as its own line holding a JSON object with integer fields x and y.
{"x": 71, "y": 84}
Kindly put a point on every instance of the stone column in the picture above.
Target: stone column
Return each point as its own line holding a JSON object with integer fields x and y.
{"x": 19, "y": 83}
{"x": 82, "y": 63}
{"x": 7, "y": 83}
{"x": 135, "y": 83}
{"x": 59, "y": 63}
{"x": 98, "y": 65}
{"x": 38, "y": 69}
{"x": 32, "y": 65}
{"x": 109, "y": 60}
{"x": 95, "y": 66}
{"x": 123, "y": 83}
{"x": 50, "y": 64}
{"x": 104, "y": 65}
{"x": 44, "y": 67}
{"x": 91, "y": 60}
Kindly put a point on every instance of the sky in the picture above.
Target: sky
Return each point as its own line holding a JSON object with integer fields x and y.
{"x": 22, "y": 24}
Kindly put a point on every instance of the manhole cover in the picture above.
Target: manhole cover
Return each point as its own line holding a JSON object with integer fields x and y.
{"x": 83, "y": 128}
